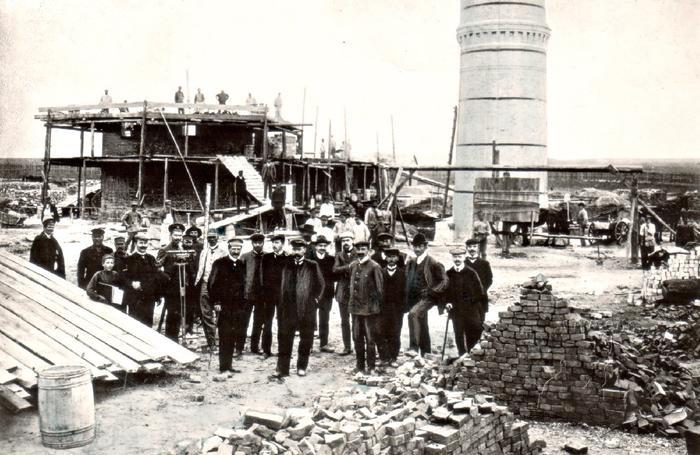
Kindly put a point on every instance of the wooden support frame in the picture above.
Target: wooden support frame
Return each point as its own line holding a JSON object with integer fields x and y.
{"x": 80, "y": 203}
{"x": 165, "y": 180}
{"x": 47, "y": 162}
{"x": 216, "y": 185}
{"x": 142, "y": 146}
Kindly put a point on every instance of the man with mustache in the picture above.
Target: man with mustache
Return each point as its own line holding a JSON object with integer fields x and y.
{"x": 483, "y": 269}
{"x": 343, "y": 260}
{"x": 142, "y": 280}
{"x": 253, "y": 262}
{"x": 46, "y": 252}
{"x": 325, "y": 261}
{"x": 209, "y": 254}
{"x": 273, "y": 263}
{"x": 90, "y": 260}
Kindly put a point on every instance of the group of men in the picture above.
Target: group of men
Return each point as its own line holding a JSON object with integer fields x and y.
{"x": 374, "y": 288}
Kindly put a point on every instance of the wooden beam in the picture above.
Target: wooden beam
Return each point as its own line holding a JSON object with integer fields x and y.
{"x": 257, "y": 109}
{"x": 449, "y": 162}
{"x": 47, "y": 163}
{"x": 165, "y": 181}
{"x": 92, "y": 139}
{"x": 80, "y": 203}
{"x": 634, "y": 223}
{"x": 658, "y": 218}
{"x": 11, "y": 401}
{"x": 542, "y": 168}
{"x": 142, "y": 145}
{"x": 216, "y": 186}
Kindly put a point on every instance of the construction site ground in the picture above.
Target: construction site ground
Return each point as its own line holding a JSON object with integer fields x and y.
{"x": 149, "y": 414}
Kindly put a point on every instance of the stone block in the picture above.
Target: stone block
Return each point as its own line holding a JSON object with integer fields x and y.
{"x": 269, "y": 419}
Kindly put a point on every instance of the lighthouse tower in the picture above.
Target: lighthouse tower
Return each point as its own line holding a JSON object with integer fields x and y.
{"x": 502, "y": 94}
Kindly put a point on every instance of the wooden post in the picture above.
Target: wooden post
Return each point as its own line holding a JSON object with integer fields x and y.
{"x": 449, "y": 162}
{"x": 187, "y": 139}
{"x": 80, "y": 205}
{"x": 92, "y": 139}
{"x": 264, "y": 134}
{"x": 165, "y": 182}
{"x": 532, "y": 225}
{"x": 300, "y": 139}
{"x": 284, "y": 144}
{"x": 495, "y": 157}
{"x": 347, "y": 179}
{"x": 364, "y": 180}
{"x": 142, "y": 145}
{"x": 47, "y": 165}
{"x": 329, "y": 158}
{"x": 634, "y": 228}
{"x": 303, "y": 187}
{"x": 216, "y": 185}
{"x": 308, "y": 183}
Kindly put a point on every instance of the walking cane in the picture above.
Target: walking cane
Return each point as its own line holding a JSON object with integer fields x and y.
{"x": 444, "y": 340}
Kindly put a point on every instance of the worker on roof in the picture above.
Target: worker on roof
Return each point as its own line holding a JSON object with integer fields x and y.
{"x": 180, "y": 98}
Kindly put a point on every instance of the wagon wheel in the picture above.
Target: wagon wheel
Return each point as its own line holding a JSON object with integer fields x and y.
{"x": 622, "y": 230}
{"x": 592, "y": 232}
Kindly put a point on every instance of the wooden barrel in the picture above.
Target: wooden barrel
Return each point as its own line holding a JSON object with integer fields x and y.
{"x": 66, "y": 407}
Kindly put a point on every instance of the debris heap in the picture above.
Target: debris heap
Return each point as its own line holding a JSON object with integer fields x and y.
{"x": 405, "y": 414}
{"x": 540, "y": 360}
{"x": 682, "y": 265}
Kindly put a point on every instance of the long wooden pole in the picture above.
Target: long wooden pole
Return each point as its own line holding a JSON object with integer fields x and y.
{"x": 329, "y": 157}
{"x": 303, "y": 111}
{"x": 92, "y": 139}
{"x": 184, "y": 163}
{"x": 634, "y": 228}
{"x": 80, "y": 203}
{"x": 449, "y": 161}
{"x": 315, "y": 131}
{"x": 165, "y": 181}
{"x": 47, "y": 163}
{"x": 393, "y": 142}
{"x": 216, "y": 185}
{"x": 142, "y": 146}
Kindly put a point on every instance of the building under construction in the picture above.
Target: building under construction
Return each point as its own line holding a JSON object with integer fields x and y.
{"x": 153, "y": 152}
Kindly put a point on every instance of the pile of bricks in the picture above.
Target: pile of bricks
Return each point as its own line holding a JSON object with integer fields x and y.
{"x": 541, "y": 360}
{"x": 681, "y": 266}
{"x": 406, "y": 414}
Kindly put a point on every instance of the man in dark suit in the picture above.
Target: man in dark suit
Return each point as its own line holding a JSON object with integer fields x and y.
{"x": 90, "y": 260}
{"x": 325, "y": 261}
{"x": 226, "y": 289}
{"x": 465, "y": 299}
{"x": 254, "y": 290}
{"x": 120, "y": 254}
{"x": 273, "y": 263}
{"x": 241, "y": 192}
{"x": 142, "y": 282}
{"x": 343, "y": 260}
{"x": 168, "y": 257}
{"x": 393, "y": 308}
{"x": 46, "y": 252}
{"x": 483, "y": 269}
{"x": 426, "y": 281}
{"x": 301, "y": 289}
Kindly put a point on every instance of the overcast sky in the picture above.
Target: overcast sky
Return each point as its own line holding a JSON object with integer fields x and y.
{"x": 623, "y": 75}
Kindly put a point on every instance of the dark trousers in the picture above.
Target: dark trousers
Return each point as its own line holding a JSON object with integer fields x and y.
{"x": 418, "y": 329}
{"x": 467, "y": 332}
{"x": 172, "y": 318}
{"x": 645, "y": 252}
{"x": 240, "y": 341}
{"x": 142, "y": 311}
{"x": 240, "y": 197}
{"x": 263, "y": 313}
{"x": 364, "y": 332}
{"x": 345, "y": 325}
{"x": 208, "y": 316}
{"x": 230, "y": 325}
{"x": 324, "y": 312}
{"x": 389, "y": 335}
{"x": 285, "y": 341}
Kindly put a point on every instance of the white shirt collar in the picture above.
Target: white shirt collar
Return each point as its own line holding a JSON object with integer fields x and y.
{"x": 472, "y": 259}
{"x": 460, "y": 268}
{"x": 233, "y": 259}
{"x": 364, "y": 259}
{"x": 320, "y": 256}
{"x": 422, "y": 257}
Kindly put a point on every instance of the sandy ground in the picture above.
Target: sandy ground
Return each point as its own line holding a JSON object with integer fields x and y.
{"x": 149, "y": 414}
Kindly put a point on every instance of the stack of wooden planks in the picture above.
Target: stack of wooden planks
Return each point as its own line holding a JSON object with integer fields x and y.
{"x": 45, "y": 321}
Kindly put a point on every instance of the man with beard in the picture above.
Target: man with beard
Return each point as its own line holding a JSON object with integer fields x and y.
{"x": 483, "y": 269}
{"x": 192, "y": 292}
{"x": 384, "y": 242}
{"x": 253, "y": 263}
{"x": 120, "y": 254}
{"x": 301, "y": 289}
{"x": 273, "y": 263}
{"x": 46, "y": 252}
{"x": 169, "y": 257}
{"x": 343, "y": 260}
{"x": 211, "y": 253}
{"x": 142, "y": 280}
{"x": 393, "y": 308}
{"x": 426, "y": 281}
{"x": 325, "y": 261}
{"x": 226, "y": 289}
{"x": 366, "y": 288}
{"x": 465, "y": 299}
{"x": 90, "y": 260}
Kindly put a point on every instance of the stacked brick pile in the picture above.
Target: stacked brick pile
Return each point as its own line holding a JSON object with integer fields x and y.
{"x": 407, "y": 414}
{"x": 681, "y": 266}
{"x": 541, "y": 360}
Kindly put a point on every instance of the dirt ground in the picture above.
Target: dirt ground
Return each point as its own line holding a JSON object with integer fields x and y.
{"x": 148, "y": 414}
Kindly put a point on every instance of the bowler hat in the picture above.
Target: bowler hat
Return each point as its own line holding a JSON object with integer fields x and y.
{"x": 320, "y": 240}
{"x": 194, "y": 231}
{"x": 419, "y": 239}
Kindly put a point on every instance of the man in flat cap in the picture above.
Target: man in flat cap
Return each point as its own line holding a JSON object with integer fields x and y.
{"x": 426, "y": 281}
{"x": 142, "y": 282}
{"x": 383, "y": 242}
{"x": 209, "y": 254}
{"x": 226, "y": 290}
{"x": 301, "y": 289}
{"x": 132, "y": 222}
{"x": 393, "y": 308}
{"x": 273, "y": 263}
{"x": 325, "y": 261}
{"x": 341, "y": 268}
{"x": 46, "y": 252}
{"x": 366, "y": 289}
{"x": 192, "y": 290}
{"x": 482, "y": 268}
{"x": 90, "y": 260}
{"x": 254, "y": 293}
{"x": 465, "y": 301}
{"x": 168, "y": 257}
{"x": 120, "y": 253}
